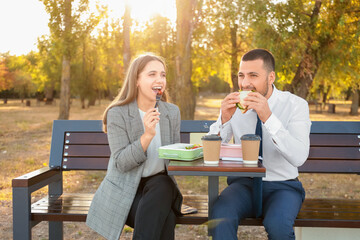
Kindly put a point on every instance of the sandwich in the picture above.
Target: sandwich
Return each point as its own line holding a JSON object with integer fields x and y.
{"x": 243, "y": 108}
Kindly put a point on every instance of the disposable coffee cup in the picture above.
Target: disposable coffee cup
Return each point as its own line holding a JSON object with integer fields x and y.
{"x": 211, "y": 148}
{"x": 250, "y": 148}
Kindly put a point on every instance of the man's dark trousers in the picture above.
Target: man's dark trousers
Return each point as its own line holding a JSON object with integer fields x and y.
{"x": 282, "y": 201}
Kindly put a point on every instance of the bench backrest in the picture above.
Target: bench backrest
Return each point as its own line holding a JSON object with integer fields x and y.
{"x": 82, "y": 145}
{"x": 334, "y": 148}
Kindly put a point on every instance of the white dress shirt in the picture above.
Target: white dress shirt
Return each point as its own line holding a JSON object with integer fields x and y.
{"x": 285, "y": 134}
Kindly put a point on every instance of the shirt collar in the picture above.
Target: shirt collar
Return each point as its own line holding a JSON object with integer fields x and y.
{"x": 273, "y": 96}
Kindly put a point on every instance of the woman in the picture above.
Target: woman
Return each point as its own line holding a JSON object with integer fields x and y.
{"x": 136, "y": 190}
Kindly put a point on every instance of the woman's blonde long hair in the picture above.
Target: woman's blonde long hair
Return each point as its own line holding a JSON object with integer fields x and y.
{"x": 129, "y": 91}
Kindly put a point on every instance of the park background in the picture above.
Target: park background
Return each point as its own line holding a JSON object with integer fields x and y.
{"x": 78, "y": 66}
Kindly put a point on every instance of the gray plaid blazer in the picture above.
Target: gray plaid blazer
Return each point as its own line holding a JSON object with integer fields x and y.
{"x": 113, "y": 199}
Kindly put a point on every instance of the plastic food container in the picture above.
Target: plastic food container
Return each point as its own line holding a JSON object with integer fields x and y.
{"x": 178, "y": 151}
{"x": 231, "y": 152}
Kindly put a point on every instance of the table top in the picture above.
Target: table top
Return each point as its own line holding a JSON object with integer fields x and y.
{"x": 224, "y": 168}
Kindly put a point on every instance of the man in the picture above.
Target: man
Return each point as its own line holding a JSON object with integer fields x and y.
{"x": 285, "y": 128}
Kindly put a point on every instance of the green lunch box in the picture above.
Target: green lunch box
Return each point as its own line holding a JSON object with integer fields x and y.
{"x": 179, "y": 152}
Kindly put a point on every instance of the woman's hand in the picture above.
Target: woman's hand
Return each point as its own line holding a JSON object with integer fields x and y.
{"x": 151, "y": 118}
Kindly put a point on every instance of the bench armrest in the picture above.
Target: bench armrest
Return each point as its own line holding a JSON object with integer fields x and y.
{"x": 37, "y": 179}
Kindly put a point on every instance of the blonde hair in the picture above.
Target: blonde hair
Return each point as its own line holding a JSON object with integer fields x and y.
{"x": 129, "y": 91}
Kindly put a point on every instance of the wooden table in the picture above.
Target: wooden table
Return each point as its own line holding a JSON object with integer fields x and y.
{"x": 225, "y": 168}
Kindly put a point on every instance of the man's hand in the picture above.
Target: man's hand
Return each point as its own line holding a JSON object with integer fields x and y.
{"x": 228, "y": 106}
{"x": 259, "y": 103}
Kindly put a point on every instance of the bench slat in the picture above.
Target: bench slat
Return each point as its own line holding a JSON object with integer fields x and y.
{"x": 95, "y": 138}
{"x": 336, "y": 140}
{"x": 74, "y": 207}
{"x": 88, "y": 163}
{"x": 334, "y": 153}
{"x": 330, "y": 166}
{"x": 88, "y": 138}
{"x": 87, "y": 151}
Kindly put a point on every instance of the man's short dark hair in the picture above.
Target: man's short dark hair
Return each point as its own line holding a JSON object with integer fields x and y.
{"x": 265, "y": 55}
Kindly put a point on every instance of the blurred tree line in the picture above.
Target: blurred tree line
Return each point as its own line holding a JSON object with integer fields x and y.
{"x": 316, "y": 45}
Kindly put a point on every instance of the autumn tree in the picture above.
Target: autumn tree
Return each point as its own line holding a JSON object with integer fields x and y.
{"x": 50, "y": 65}
{"x": 19, "y": 72}
{"x": 66, "y": 61}
{"x": 66, "y": 25}
{"x": 228, "y": 35}
{"x": 159, "y": 37}
{"x": 185, "y": 96}
{"x": 126, "y": 39}
{"x": 6, "y": 77}
{"x": 111, "y": 71}
{"x": 303, "y": 35}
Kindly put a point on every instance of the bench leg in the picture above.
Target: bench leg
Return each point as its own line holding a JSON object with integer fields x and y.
{"x": 56, "y": 188}
{"x": 56, "y": 228}
{"x": 56, "y": 231}
{"x": 21, "y": 213}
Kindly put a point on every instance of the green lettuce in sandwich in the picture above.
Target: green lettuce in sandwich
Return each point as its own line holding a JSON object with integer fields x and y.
{"x": 243, "y": 108}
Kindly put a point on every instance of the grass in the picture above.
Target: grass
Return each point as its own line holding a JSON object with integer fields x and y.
{"x": 25, "y": 135}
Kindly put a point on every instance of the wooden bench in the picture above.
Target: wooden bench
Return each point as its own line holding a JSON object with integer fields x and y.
{"x": 81, "y": 145}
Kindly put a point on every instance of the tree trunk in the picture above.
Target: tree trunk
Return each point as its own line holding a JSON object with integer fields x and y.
{"x": 185, "y": 95}
{"x": 65, "y": 73}
{"x": 49, "y": 93}
{"x": 309, "y": 64}
{"x": 82, "y": 100}
{"x": 65, "y": 90}
{"x": 354, "y": 110}
{"x": 91, "y": 101}
{"x": 126, "y": 26}
{"x": 234, "y": 58}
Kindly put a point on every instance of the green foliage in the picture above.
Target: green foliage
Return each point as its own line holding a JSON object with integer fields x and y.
{"x": 19, "y": 74}
{"x": 50, "y": 63}
{"x": 222, "y": 32}
{"x": 215, "y": 85}
{"x": 288, "y": 31}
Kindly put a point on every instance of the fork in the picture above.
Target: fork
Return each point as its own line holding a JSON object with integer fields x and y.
{"x": 158, "y": 97}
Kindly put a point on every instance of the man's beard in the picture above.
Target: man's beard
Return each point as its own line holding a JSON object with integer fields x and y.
{"x": 266, "y": 87}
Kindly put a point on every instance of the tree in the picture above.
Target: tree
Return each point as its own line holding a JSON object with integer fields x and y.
{"x": 66, "y": 26}
{"x": 50, "y": 65}
{"x": 65, "y": 72}
{"x": 20, "y": 73}
{"x": 159, "y": 37}
{"x": 110, "y": 62}
{"x": 304, "y": 36}
{"x": 185, "y": 96}
{"x": 316, "y": 46}
{"x": 6, "y": 77}
{"x": 228, "y": 36}
{"x": 23, "y": 84}
{"x": 126, "y": 31}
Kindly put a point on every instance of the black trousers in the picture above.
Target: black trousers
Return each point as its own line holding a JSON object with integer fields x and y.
{"x": 151, "y": 214}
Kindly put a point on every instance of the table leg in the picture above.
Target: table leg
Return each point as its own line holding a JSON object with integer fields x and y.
{"x": 213, "y": 191}
{"x": 257, "y": 194}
